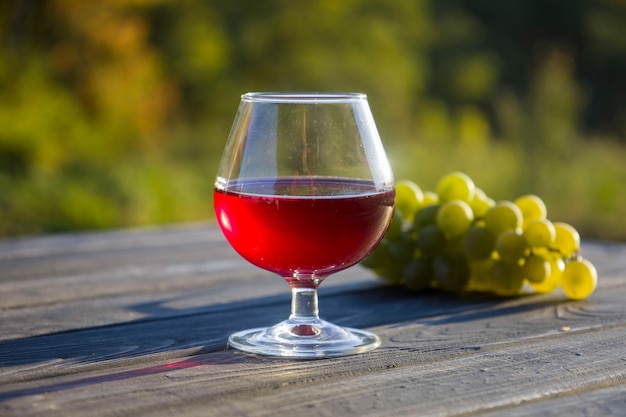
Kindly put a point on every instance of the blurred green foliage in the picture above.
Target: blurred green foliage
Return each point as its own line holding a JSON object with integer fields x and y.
{"x": 114, "y": 113}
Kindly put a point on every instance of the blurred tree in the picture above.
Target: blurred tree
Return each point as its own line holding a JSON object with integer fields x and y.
{"x": 82, "y": 91}
{"x": 114, "y": 113}
{"x": 605, "y": 65}
{"x": 375, "y": 46}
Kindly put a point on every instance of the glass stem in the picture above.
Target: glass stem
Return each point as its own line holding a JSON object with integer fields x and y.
{"x": 304, "y": 305}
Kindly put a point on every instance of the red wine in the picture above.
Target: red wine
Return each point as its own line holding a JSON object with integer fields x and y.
{"x": 303, "y": 227}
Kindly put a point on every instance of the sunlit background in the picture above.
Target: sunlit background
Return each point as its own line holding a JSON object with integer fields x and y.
{"x": 113, "y": 113}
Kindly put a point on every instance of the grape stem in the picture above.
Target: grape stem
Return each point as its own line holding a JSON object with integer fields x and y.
{"x": 575, "y": 256}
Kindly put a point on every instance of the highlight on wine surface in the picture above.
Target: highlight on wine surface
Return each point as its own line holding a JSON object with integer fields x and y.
{"x": 304, "y": 189}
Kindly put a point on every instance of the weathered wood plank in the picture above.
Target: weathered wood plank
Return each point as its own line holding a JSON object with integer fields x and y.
{"x": 126, "y": 276}
{"x": 68, "y": 303}
{"x": 187, "y": 273}
{"x": 127, "y": 252}
{"x": 75, "y": 255}
{"x": 194, "y": 323}
{"x": 604, "y": 402}
{"x": 501, "y": 378}
{"x": 442, "y": 324}
{"x": 129, "y": 323}
{"x": 154, "y": 261}
{"x": 220, "y": 384}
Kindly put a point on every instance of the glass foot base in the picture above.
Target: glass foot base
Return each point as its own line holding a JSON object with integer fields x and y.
{"x": 316, "y": 339}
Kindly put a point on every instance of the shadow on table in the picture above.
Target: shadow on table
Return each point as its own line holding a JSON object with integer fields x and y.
{"x": 112, "y": 376}
{"x": 197, "y": 331}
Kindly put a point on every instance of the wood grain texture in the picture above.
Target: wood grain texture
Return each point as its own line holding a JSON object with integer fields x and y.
{"x": 132, "y": 323}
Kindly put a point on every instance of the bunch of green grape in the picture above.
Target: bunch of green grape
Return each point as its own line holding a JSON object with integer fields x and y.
{"x": 459, "y": 239}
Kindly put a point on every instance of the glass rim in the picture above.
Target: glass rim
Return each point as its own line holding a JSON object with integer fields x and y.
{"x": 303, "y": 97}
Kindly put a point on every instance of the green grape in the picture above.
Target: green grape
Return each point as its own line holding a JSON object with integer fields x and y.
{"x": 566, "y": 240}
{"x": 430, "y": 241}
{"x": 481, "y": 203}
{"x": 511, "y": 246}
{"x": 401, "y": 249}
{"x": 532, "y": 207}
{"x": 455, "y": 186}
{"x": 376, "y": 258}
{"x": 508, "y": 278}
{"x": 417, "y": 274}
{"x": 430, "y": 198}
{"x": 478, "y": 243}
{"x": 481, "y": 275}
{"x": 539, "y": 233}
{"x": 409, "y": 198}
{"x": 454, "y": 218}
{"x": 454, "y": 244}
{"x": 553, "y": 280}
{"x": 395, "y": 227}
{"x": 450, "y": 272}
{"x": 536, "y": 269}
{"x": 389, "y": 270}
{"x": 459, "y": 239}
{"x": 579, "y": 279}
{"x": 425, "y": 217}
{"x": 502, "y": 217}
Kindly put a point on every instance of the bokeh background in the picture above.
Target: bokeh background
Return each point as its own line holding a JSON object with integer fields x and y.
{"x": 113, "y": 113}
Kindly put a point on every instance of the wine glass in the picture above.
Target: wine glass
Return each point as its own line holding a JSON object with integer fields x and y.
{"x": 304, "y": 189}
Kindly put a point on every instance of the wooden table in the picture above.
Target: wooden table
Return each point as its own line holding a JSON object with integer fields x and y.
{"x": 133, "y": 323}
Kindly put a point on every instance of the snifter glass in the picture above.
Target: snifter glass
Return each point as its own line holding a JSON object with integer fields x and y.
{"x": 304, "y": 189}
